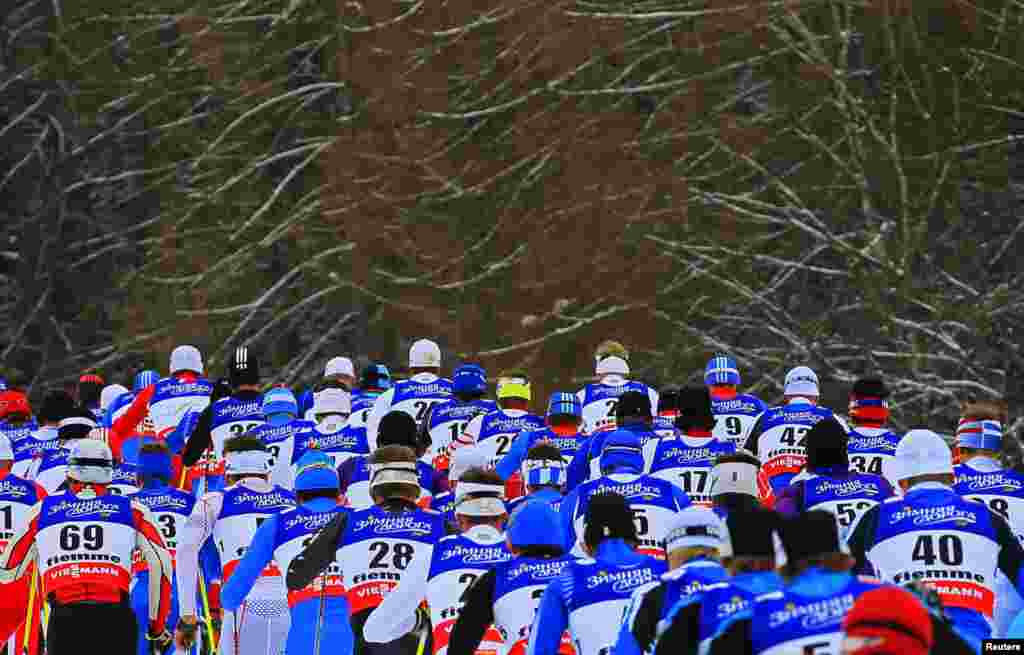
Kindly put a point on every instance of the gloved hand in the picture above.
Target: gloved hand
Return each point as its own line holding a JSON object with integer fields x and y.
{"x": 159, "y": 639}
{"x": 422, "y": 620}
{"x": 186, "y": 632}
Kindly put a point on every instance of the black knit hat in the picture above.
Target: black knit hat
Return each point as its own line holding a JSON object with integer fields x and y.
{"x": 633, "y": 403}
{"x": 870, "y": 388}
{"x": 695, "y": 409}
{"x": 668, "y": 399}
{"x": 811, "y": 534}
{"x": 751, "y": 533}
{"x": 57, "y": 404}
{"x": 608, "y": 517}
{"x": 76, "y": 425}
{"x": 397, "y": 429}
{"x": 244, "y": 367}
{"x": 826, "y": 445}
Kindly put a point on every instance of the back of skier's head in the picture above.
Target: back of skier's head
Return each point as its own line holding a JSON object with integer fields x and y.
{"x": 668, "y": 401}
{"x": 611, "y": 358}
{"x": 869, "y": 404}
{"x": 694, "y": 533}
{"x": 111, "y": 393}
{"x": 76, "y": 425}
{"x": 535, "y": 531}
{"x": 826, "y": 446}
{"x": 887, "y": 620}
{"x": 339, "y": 371}
{"x": 244, "y": 369}
{"x": 15, "y": 410}
{"x": 316, "y": 477}
{"x": 565, "y": 412}
{"x": 246, "y": 456}
{"x": 57, "y": 405}
{"x": 480, "y": 499}
{"x": 722, "y": 376}
{"x": 424, "y": 357}
{"x": 513, "y": 390}
{"x": 980, "y": 430}
{"x": 543, "y": 468}
{"x": 608, "y": 518}
{"x": 143, "y": 379}
{"x": 279, "y": 406}
{"x": 375, "y": 378}
{"x": 90, "y": 387}
{"x": 694, "y": 412}
{"x": 801, "y": 383}
{"x": 750, "y": 540}
{"x": 469, "y": 382}
{"x": 155, "y": 465}
{"x": 394, "y": 478}
{"x": 332, "y": 404}
{"x": 186, "y": 359}
{"x": 399, "y": 429}
{"x": 463, "y": 459}
{"x": 922, "y": 456}
{"x": 734, "y": 481}
{"x": 633, "y": 407}
{"x": 90, "y": 467}
{"x": 621, "y": 453}
{"x": 811, "y": 540}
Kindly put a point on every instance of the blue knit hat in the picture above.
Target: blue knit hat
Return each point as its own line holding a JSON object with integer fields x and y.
{"x": 144, "y": 379}
{"x": 155, "y": 465}
{"x": 564, "y": 403}
{"x": 315, "y": 471}
{"x": 535, "y": 523}
{"x": 722, "y": 369}
{"x": 469, "y": 378}
{"x": 621, "y": 449}
{"x": 279, "y": 400}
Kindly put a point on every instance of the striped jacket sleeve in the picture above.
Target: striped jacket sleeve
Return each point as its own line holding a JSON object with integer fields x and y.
{"x": 21, "y": 549}
{"x": 149, "y": 542}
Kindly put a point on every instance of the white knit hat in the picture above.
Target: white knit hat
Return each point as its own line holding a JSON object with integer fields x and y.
{"x": 694, "y": 526}
{"x": 110, "y": 393}
{"x": 425, "y": 354}
{"x": 332, "y": 401}
{"x": 339, "y": 366}
{"x": 186, "y": 358}
{"x": 801, "y": 381}
{"x": 922, "y": 452}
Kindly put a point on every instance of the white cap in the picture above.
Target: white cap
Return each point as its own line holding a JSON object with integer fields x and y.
{"x": 922, "y": 452}
{"x": 425, "y": 354}
{"x": 339, "y": 366}
{"x": 694, "y": 526}
{"x": 801, "y": 381}
{"x": 734, "y": 478}
{"x": 6, "y": 450}
{"x": 186, "y": 358}
{"x": 110, "y": 393}
{"x": 91, "y": 461}
{"x": 612, "y": 365}
{"x": 332, "y": 401}
{"x": 465, "y": 458}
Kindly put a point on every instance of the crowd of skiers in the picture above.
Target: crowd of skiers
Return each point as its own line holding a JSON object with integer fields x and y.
{"x": 382, "y": 516}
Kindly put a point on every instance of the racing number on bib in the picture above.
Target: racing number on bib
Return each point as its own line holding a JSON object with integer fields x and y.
{"x": 611, "y": 404}
{"x": 421, "y": 407}
{"x": 275, "y": 452}
{"x": 73, "y": 536}
{"x": 504, "y": 441}
{"x": 817, "y": 648}
{"x": 642, "y": 524}
{"x": 733, "y": 426}
{"x": 402, "y": 555}
{"x": 8, "y": 513}
{"x": 794, "y": 436}
{"x": 998, "y": 505}
{"x": 865, "y": 464}
{"x": 167, "y": 527}
{"x": 847, "y": 512}
{"x": 241, "y": 428}
{"x": 694, "y": 482}
{"x": 457, "y": 429}
{"x": 950, "y": 549}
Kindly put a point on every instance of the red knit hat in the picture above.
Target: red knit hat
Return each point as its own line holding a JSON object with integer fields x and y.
{"x": 14, "y": 402}
{"x": 887, "y": 621}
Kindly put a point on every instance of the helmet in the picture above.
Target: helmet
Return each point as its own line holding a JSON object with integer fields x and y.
{"x": 91, "y": 461}
{"x": 144, "y": 379}
{"x": 721, "y": 369}
{"x": 469, "y": 379}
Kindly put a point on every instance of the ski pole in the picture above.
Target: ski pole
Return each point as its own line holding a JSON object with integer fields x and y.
{"x": 320, "y": 618}
{"x": 28, "y": 612}
{"x": 206, "y": 610}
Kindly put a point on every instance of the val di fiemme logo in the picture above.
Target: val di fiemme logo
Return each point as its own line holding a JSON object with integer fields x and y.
{"x": 538, "y": 570}
{"x": 934, "y": 515}
{"x": 994, "y": 481}
{"x": 476, "y": 554}
{"x": 77, "y": 508}
{"x": 389, "y": 524}
{"x": 13, "y": 491}
{"x": 621, "y": 581}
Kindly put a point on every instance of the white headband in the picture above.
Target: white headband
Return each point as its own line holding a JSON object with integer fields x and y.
{"x": 693, "y": 535}
{"x": 394, "y": 473}
{"x": 492, "y": 504}
{"x": 77, "y": 420}
{"x": 248, "y": 462}
{"x": 466, "y": 488}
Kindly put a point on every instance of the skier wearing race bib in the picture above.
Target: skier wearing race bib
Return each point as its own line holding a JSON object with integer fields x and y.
{"x": 747, "y": 551}
{"x": 633, "y": 415}
{"x": 228, "y": 417}
{"x": 16, "y": 422}
{"x": 806, "y": 615}
{"x": 735, "y": 412}
{"x": 599, "y": 399}
{"x": 111, "y": 395}
{"x": 686, "y": 460}
{"x": 456, "y": 563}
{"x": 279, "y": 434}
{"x": 979, "y": 476}
{"x": 90, "y": 388}
{"x": 331, "y": 434}
{"x": 543, "y": 473}
{"x": 168, "y": 400}
{"x": 830, "y": 484}
{"x": 463, "y": 460}
{"x": 495, "y": 431}
{"x": 319, "y": 611}
{"x": 590, "y": 595}
{"x": 118, "y": 403}
{"x": 778, "y": 438}
{"x": 396, "y": 429}
{"x": 654, "y": 501}
{"x": 29, "y": 451}
{"x": 664, "y": 424}
{"x": 564, "y": 418}
{"x": 872, "y": 446}
{"x": 82, "y": 541}
{"x": 374, "y": 381}
{"x": 379, "y": 547}
{"x": 414, "y": 396}
{"x": 339, "y": 373}
{"x": 508, "y": 595}
{"x": 52, "y": 468}
{"x": 447, "y": 420}
{"x": 692, "y": 544}
{"x": 933, "y": 535}
{"x": 230, "y": 518}
{"x": 734, "y": 480}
